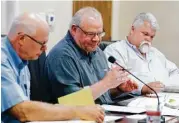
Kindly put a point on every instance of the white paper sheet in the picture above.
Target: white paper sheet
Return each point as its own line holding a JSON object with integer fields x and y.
{"x": 123, "y": 109}
{"x": 71, "y": 121}
{"x": 106, "y": 119}
{"x": 137, "y": 116}
{"x": 141, "y": 102}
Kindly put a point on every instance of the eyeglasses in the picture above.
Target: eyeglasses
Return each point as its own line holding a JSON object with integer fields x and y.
{"x": 92, "y": 34}
{"x": 43, "y": 45}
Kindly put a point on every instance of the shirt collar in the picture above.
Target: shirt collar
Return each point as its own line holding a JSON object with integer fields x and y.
{"x": 19, "y": 63}
{"x": 148, "y": 56}
{"x": 80, "y": 51}
{"x": 131, "y": 45}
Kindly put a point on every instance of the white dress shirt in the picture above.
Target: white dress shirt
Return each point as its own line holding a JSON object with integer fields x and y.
{"x": 153, "y": 67}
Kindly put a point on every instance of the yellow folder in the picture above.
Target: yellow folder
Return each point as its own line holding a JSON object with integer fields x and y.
{"x": 81, "y": 97}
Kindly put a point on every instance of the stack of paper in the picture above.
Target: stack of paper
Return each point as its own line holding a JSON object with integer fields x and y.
{"x": 125, "y": 109}
{"x": 107, "y": 119}
{"x": 142, "y": 102}
{"x": 172, "y": 88}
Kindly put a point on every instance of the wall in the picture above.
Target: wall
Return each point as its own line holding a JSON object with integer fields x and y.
{"x": 3, "y": 22}
{"x": 115, "y": 20}
{"x": 62, "y": 11}
{"x": 167, "y": 38}
{"x": 123, "y": 14}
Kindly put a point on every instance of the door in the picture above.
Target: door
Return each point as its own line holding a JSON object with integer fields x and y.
{"x": 105, "y": 7}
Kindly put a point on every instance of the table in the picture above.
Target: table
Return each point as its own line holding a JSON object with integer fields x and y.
{"x": 127, "y": 117}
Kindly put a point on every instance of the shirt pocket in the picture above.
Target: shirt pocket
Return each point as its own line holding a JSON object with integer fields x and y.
{"x": 25, "y": 83}
{"x": 101, "y": 68}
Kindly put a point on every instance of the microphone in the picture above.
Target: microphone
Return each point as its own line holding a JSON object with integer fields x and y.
{"x": 113, "y": 60}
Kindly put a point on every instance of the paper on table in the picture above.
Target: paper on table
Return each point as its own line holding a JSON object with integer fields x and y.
{"x": 70, "y": 121}
{"x": 162, "y": 94}
{"x": 106, "y": 119}
{"x": 111, "y": 118}
{"x": 141, "y": 102}
{"x": 137, "y": 116}
{"x": 81, "y": 97}
{"x": 172, "y": 88}
{"x": 170, "y": 112}
{"x": 123, "y": 109}
{"x": 173, "y": 84}
{"x": 173, "y": 103}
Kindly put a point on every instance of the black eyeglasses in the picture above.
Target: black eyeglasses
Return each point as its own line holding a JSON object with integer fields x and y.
{"x": 92, "y": 34}
{"x": 42, "y": 44}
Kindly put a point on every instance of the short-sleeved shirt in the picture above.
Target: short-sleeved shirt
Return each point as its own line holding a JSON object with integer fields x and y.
{"x": 68, "y": 68}
{"x": 15, "y": 80}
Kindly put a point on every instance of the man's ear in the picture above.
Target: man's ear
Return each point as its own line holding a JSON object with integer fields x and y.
{"x": 21, "y": 40}
{"x": 132, "y": 29}
{"x": 73, "y": 30}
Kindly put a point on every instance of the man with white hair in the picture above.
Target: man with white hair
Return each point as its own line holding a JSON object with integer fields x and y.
{"x": 26, "y": 40}
{"x": 77, "y": 61}
{"x": 136, "y": 54}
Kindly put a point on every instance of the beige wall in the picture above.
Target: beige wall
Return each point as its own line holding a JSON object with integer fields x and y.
{"x": 62, "y": 11}
{"x": 63, "y": 15}
{"x": 167, "y": 38}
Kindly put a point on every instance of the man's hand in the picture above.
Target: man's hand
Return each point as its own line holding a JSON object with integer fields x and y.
{"x": 115, "y": 77}
{"x": 94, "y": 113}
{"x": 128, "y": 86}
{"x": 157, "y": 86}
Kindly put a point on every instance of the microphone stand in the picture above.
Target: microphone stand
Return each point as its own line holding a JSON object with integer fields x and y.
{"x": 113, "y": 60}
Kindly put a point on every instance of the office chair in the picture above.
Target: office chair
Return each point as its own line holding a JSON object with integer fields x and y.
{"x": 36, "y": 79}
{"x": 104, "y": 44}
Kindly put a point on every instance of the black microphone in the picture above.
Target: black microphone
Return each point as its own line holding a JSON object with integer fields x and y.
{"x": 113, "y": 60}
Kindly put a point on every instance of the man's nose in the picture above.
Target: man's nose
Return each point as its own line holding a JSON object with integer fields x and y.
{"x": 96, "y": 38}
{"x": 44, "y": 48}
{"x": 149, "y": 39}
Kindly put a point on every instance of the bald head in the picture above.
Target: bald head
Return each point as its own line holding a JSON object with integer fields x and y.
{"x": 27, "y": 23}
{"x": 29, "y": 35}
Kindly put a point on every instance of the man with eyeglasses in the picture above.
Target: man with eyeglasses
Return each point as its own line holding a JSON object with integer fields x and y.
{"x": 26, "y": 40}
{"x": 77, "y": 61}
